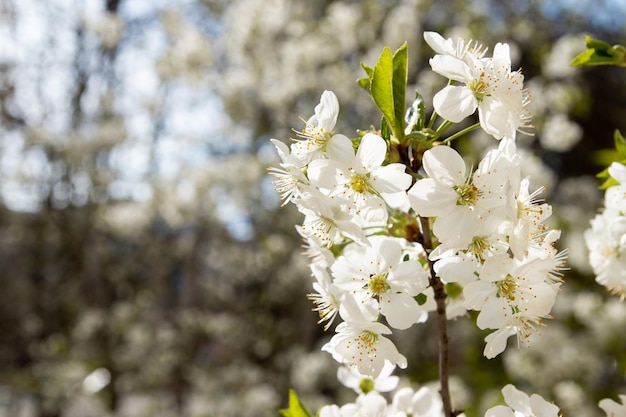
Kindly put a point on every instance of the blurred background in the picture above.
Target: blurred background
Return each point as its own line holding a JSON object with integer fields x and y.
{"x": 147, "y": 267}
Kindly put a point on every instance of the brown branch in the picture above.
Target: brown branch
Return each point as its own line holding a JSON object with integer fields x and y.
{"x": 442, "y": 320}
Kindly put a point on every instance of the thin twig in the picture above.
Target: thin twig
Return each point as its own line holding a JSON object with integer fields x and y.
{"x": 440, "y": 299}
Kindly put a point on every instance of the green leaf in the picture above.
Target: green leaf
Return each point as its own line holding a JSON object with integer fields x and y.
{"x": 400, "y": 74}
{"x": 368, "y": 70}
{"x": 620, "y": 143}
{"x": 366, "y": 82}
{"x": 382, "y": 87}
{"x": 296, "y": 409}
{"x": 600, "y": 53}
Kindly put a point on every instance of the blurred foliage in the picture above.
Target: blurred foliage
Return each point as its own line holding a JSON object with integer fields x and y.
{"x": 139, "y": 232}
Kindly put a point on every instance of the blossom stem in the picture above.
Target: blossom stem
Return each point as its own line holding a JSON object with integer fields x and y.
{"x": 461, "y": 133}
{"x": 440, "y": 299}
{"x": 443, "y": 127}
{"x": 431, "y": 122}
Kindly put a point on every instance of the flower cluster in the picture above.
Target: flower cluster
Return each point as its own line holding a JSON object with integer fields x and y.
{"x": 492, "y": 239}
{"x": 606, "y": 239}
{"x": 424, "y": 402}
{"x": 519, "y": 404}
{"x": 343, "y": 194}
{"x": 395, "y": 223}
{"x": 486, "y": 84}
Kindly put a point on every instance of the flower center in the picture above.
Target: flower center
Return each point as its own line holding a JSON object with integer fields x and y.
{"x": 359, "y": 183}
{"x": 321, "y": 139}
{"x": 468, "y": 194}
{"x": 507, "y": 288}
{"x": 479, "y": 87}
{"x": 367, "y": 339}
{"x": 478, "y": 245}
{"x": 378, "y": 284}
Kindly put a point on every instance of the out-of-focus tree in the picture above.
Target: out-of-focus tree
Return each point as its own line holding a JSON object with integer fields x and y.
{"x": 146, "y": 268}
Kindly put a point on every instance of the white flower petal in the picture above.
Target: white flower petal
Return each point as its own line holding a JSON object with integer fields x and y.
{"x": 451, "y": 67}
{"x": 339, "y": 148}
{"x": 429, "y": 199}
{"x": 401, "y": 310}
{"x": 498, "y": 411}
{"x": 495, "y": 118}
{"x": 444, "y": 164}
{"x": 496, "y": 342}
{"x": 455, "y": 103}
{"x": 618, "y": 171}
{"x": 516, "y": 399}
{"x": 456, "y": 269}
{"x": 372, "y": 151}
{"x": 477, "y": 293}
{"x": 326, "y": 113}
{"x": 502, "y": 57}
{"x": 388, "y": 250}
{"x": 439, "y": 43}
{"x": 391, "y": 178}
{"x": 457, "y": 227}
{"x": 541, "y": 407}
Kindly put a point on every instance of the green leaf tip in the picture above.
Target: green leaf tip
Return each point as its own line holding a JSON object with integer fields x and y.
{"x": 382, "y": 87}
{"x": 386, "y": 83}
{"x": 296, "y": 408}
{"x": 620, "y": 143}
{"x": 399, "y": 81}
{"x": 600, "y": 53}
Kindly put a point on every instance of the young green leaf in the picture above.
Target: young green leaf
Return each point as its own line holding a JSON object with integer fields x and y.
{"x": 296, "y": 408}
{"x": 400, "y": 74}
{"x": 382, "y": 87}
{"x": 620, "y": 143}
{"x": 600, "y": 53}
{"x": 366, "y": 82}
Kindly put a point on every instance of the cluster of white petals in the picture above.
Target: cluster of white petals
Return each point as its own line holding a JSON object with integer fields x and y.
{"x": 492, "y": 239}
{"x": 477, "y": 239}
{"x": 343, "y": 193}
{"x": 606, "y": 239}
{"x": 479, "y": 82}
{"x": 424, "y": 402}
{"x": 519, "y": 404}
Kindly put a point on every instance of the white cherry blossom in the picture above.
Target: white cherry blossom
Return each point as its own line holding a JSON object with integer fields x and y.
{"x": 458, "y": 199}
{"x": 606, "y": 238}
{"x": 362, "y": 384}
{"x": 361, "y": 178}
{"x": 512, "y": 295}
{"x": 327, "y": 219}
{"x": 519, "y": 404}
{"x": 365, "y": 347}
{"x": 290, "y": 179}
{"x": 377, "y": 276}
{"x": 486, "y": 84}
{"x": 327, "y": 297}
{"x": 318, "y": 138}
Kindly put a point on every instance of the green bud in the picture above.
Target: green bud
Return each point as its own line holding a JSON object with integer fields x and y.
{"x": 366, "y": 385}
